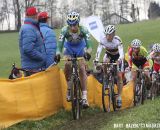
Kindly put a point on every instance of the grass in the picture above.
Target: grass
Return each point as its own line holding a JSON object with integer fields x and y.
{"x": 96, "y": 119}
{"x": 93, "y": 118}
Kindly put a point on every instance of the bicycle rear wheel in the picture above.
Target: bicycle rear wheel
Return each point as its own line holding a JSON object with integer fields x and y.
{"x": 137, "y": 92}
{"x": 76, "y": 99}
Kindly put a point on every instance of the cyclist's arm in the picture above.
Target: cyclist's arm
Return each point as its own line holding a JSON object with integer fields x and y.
{"x": 145, "y": 54}
{"x": 99, "y": 50}
{"x": 150, "y": 56}
{"x": 120, "y": 47}
{"x": 130, "y": 57}
{"x": 121, "y": 52}
{"x": 144, "y": 51}
{"x": 87, "y": 39}
{"x": 61, "y": 41}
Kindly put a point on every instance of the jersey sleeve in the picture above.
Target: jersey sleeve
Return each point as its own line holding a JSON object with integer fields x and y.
{"x": 61, "y": 40}
{"x": 99, "y": 50}
{"x": 144, "y": 51}
{"x": 118, "y": 40}
{"x": 130, "y": 57}
{"x": 87, "y": 38}
{"x": 120, "y": 47}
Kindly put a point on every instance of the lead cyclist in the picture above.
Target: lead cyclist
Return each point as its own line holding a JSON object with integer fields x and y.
{"x": 75, "y": 39}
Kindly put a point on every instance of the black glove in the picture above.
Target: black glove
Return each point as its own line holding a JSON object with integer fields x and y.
{"x": 57, "y": 58}
{"x": 87, "y": 56}
{"x": 95, "y": 61}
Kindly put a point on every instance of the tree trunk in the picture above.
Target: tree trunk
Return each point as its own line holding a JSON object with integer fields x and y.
{"x": 18, "y": 15}
{"x": 15, "y": 14}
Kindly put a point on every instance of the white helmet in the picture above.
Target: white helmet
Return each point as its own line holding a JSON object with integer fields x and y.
{"x": 136, "y": 43}
{"x": 156, "y": 47}
{"x": 109, "y": 29}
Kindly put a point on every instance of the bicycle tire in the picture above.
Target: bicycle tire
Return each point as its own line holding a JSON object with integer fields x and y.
{"x": 137, "y": 92}
{"x": 113, "y": 95}
{"x": 153, "y": 90}
{"x": 106, "y": 96}
{"x": 144, "y": 91}
{"x": 76, "y": 99}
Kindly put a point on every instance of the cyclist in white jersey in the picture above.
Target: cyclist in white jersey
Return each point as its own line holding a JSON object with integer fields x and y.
{"x": 114, "y": 52}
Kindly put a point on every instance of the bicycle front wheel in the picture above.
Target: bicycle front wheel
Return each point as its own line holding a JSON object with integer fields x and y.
{"x": 137, "y": 92}
{"x": 113, "y": 95}
{"x": 76, "y": 99}
{"x": 153, "y": 90}
{"x": 144, "y": 91}
{"x": 106, "y": 96}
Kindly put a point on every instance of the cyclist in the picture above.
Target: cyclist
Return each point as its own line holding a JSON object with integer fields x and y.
{"x": 114, "y": 52}
{"x": 155, "y": 56}
{"x": 75, "y": 39}
{"x": 138, "y": 58}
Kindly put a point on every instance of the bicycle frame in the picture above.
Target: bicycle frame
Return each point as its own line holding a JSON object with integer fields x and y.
{"x": 140, "y": 87}
{"x": 109, "y": 75}
{"x": 75, "y": 88}
{"x": 19, "y": 72}
{"x": 155, "y": 89}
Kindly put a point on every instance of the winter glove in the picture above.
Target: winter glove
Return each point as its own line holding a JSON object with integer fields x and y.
{"x": 57, "y": 58}
{"x": 87, "y": 56}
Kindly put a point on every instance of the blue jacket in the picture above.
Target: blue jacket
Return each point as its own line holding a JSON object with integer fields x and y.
{"x": 32, "y": 47}
{"x": 50, "y": 42}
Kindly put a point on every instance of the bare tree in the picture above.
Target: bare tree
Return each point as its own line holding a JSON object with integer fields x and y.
{"x": 133, "y": 13}
{"x": 6, "y": 10}
{"x": 91, "y": 6}
{"x": 124, "y": 8}
{"x": 2, "y": 18}
{"x": 17, "y": 14}
{"x": 50, "y": 5}
{"x": 29, "y": 3}
{"x": 63, "y": 11}
{"x": 106, "y": 9}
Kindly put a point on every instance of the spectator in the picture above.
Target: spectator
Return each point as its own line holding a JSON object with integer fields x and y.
{"x": 32, "y": 49}
{"x": 49, "y": 37}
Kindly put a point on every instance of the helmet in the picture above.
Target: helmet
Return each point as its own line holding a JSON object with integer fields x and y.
{"x": 73, "y": 18}
{"x": 109, "y": 29}
{"x": 136, "y": 43}
{"x": 156, "y": 47}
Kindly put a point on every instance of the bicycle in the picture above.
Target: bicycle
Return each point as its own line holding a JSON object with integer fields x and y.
{"x": 109, "y": 71}
{"x": 140, "y": 87}
{"x": 75, "y": 88}
{"x": 19, "y": 72}
{"x": 155, "y": 87}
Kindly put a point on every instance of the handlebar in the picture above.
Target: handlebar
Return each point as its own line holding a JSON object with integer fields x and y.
{"x": 106, "y": 63}
{"x": 72, "y": 59}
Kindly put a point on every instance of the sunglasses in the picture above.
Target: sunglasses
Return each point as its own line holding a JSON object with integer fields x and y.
{"x": 72, "y": 25}
{"x": 135, "y": 48}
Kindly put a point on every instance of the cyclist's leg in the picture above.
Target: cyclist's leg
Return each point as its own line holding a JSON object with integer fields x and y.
{"x": 156, "y": 69}
{"x": 147, "y": 66}
{"x": 134, "y": 73}
{"x": 67, "y": 72}
{"x": 120, "y": 83}
{"x": 106, "y": 58}
{"x": 120, "y": 87}
{"x": 114, "y": 58}
{"x": 83, "y": 79}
